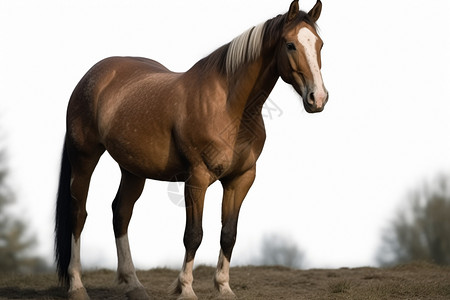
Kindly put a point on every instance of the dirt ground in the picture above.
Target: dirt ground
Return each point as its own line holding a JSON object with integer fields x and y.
{"x": 413, "y": 281}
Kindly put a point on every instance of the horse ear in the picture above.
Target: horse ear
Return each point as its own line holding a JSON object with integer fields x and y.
{"x": 293, "y": 10}
{"x": 314, "y": 13}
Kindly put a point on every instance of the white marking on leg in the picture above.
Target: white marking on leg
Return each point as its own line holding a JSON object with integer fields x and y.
{"x": 126, "y": 273}
{"x": 185, "y": 280}
{"x": 308, "y": 40}
{"x": 222, "y": 276}
{"x": 74, "y": 269}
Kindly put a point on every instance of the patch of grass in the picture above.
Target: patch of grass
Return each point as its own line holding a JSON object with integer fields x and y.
{"x": 332, "y": 274}
{"x": 340, "y": 286}
{"x": 407, "y": 282}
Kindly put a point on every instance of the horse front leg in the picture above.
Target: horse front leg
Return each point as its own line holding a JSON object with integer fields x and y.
{"x": 194, "y": 194}
{"x": 234, "y": 191}
{"x": 129, "y": 191}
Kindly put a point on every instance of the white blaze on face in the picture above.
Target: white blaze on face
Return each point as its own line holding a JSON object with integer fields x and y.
{"x": 308, "y": 40}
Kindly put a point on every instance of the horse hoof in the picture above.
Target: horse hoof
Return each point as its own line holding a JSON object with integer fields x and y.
{"x": 80, "y": 294}
{"x": 176, "y": 290}
{"x": 137, "y": 294}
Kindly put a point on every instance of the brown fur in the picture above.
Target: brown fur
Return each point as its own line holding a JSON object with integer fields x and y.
{"x": 200, "y": 126}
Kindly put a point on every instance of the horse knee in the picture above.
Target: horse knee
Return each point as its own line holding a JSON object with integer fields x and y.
{"x": 228, "y": 239}
{"x": 117, "y": 220}
{"x": 122, "y": 212}
{"x": 121, "y": 219}
{"x": 114, "y": 205}
{"x": 122, "y": 206}
{"x": 118, "y": 226}
{"x": 192, "y": 240}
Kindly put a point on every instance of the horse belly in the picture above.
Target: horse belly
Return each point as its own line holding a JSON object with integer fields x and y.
{"x": 139, "y": 137}
{"x": 151, "y": 157}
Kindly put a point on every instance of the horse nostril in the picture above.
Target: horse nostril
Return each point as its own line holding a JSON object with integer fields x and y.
{"x": 311, "y": 98}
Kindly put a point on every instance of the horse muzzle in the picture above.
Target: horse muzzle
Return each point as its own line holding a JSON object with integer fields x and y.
{"x": 314, "y": 101}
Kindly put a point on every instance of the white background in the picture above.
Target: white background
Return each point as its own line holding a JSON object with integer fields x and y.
{"x": 330, "y": 181}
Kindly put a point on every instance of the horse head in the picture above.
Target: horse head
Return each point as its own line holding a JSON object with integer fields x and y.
{"x": 299, "y": 60}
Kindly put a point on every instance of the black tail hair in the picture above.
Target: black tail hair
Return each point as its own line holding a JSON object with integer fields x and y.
{"x": 63, "y": 220}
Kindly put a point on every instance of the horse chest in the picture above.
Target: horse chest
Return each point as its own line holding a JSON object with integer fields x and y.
{"x": 233, "y": 149}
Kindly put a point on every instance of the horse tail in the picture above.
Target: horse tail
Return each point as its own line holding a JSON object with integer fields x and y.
{"x": 63, "y": 220}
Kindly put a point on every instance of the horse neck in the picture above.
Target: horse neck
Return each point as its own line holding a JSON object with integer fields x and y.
{"x": 250, "y": 86}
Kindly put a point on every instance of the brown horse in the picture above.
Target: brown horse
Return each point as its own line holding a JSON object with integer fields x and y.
{"x": 198, "y": 127}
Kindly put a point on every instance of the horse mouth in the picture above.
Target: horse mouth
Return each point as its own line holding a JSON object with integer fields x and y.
{"x": 312, "y": 109}
{"x": 312, "y": 105}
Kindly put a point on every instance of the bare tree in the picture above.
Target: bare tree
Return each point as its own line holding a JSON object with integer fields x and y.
{"x": 279, "y": 250}
{"x": 421, "y": 230}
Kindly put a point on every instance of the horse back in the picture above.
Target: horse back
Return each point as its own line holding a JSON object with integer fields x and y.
{"x": 135, "y": 63}
{"x": 119, "y": 91}
{"x": 108, "y": 83}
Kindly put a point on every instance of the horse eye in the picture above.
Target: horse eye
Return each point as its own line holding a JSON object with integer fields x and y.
{"x": 290, "y": 46}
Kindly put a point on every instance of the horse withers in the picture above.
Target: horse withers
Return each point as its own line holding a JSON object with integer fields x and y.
{"x": 198, "y": 127}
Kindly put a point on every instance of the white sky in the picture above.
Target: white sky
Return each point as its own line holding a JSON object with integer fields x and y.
{"x": 329, "y": 181}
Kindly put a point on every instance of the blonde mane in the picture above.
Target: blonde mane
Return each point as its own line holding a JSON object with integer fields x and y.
{"x": 244, "y": 48}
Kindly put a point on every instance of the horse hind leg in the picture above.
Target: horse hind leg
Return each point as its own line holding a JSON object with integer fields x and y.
{"x": 82, "y": 167}
{"x": 129, "y": 191}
